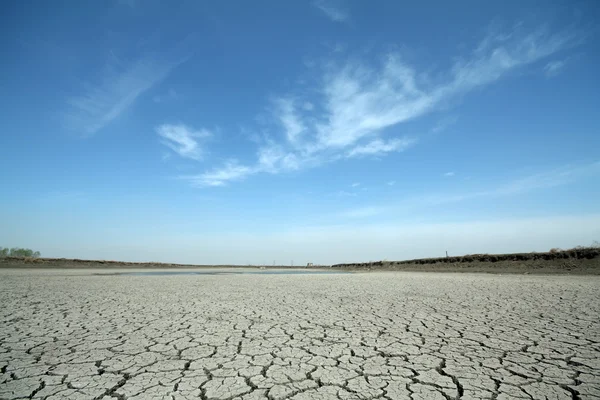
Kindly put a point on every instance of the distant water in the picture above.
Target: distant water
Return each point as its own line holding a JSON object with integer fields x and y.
{"x": 231, "y": 272}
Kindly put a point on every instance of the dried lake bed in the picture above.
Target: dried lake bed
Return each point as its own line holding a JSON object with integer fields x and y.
{"x": 214, "y": 334}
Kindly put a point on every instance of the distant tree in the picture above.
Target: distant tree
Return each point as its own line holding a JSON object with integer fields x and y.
{"x": 18, "y": 252}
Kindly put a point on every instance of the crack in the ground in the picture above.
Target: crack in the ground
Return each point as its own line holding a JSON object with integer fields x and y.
{"x": 384, "y": 339}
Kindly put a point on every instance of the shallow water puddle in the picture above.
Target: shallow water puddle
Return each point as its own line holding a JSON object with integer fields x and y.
{"x": 223, "y": 272}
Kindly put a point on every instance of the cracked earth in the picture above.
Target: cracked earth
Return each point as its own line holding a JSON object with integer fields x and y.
{"x": 75, "y": 335}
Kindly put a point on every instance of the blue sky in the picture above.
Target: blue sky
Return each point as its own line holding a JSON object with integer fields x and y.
{"x": 323, "y": 131}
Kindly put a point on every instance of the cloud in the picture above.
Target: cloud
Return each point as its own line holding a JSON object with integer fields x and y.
{"x": 290, "y": 119}
{"x": 232, "y": 171}
{"x": 104, "y": 101}
{"x": 361, "y": 101}
{"x": 449, "y": 174}
{"x": 333, "y": 9}
{"x": 274, "y": 159}
{"x": 542, "y": 180}
{"x": 444, "y": 124}
{"x": 380, "y": 146}
{"x": 182, "y": 139}
{"x": 271, "y": 159}
{"x": 548, "y": 179}
{"x": 553, "y": 68}
{"x": 355, "y": 184}
{"x": 498, "y": 54}
{"x": 391, "y": 183}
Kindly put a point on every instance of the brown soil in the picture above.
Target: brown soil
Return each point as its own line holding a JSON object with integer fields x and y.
{"x": 574, "y": 261}
{"x": 17, "y": 262}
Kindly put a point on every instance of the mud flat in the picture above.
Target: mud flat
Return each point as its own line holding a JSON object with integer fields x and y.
{"x": 94, "y": 334}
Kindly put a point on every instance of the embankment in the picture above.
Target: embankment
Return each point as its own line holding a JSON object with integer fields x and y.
{"x": 575, "y": 261}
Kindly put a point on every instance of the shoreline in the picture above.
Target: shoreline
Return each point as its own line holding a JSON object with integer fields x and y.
{"x": 579, "y": 261}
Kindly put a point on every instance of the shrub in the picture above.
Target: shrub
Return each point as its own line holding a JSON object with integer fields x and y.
{"x": 18, "y": 252}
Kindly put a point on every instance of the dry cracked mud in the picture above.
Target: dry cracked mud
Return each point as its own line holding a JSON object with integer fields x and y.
{"x": 75, "y": 335}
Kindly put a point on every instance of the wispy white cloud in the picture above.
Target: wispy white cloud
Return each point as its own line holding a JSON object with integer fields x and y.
{"x": 564, "y": 175}
{"x": 103, "y": 101}
{"x": 444, "y": 124}
{"x": 553, "y": 68}
{"x": 380, "y": 147}
{"x": 500, "y": 53}
{"x": 450, "y": 173}
{"x": 182, "y": 139}
{"x": 355, "y": 184}
{"x": 391, "y": 183}
{"x": 273, "y": 159}
{"x": 360, "y": 101}
{"x": 542, "y": 180}
{"x": 547, "y": 179}
{"x": 333, "y": 9}
{"x": 232, "y": 171}
{"x": 290, "y": 119}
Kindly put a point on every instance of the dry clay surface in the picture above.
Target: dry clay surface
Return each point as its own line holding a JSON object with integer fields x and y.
{"x": 75, "y": 335}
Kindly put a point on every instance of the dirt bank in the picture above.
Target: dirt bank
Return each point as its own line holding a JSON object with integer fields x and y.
{"x": 574, "y": 261}
{"x": 16, "y": 262}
